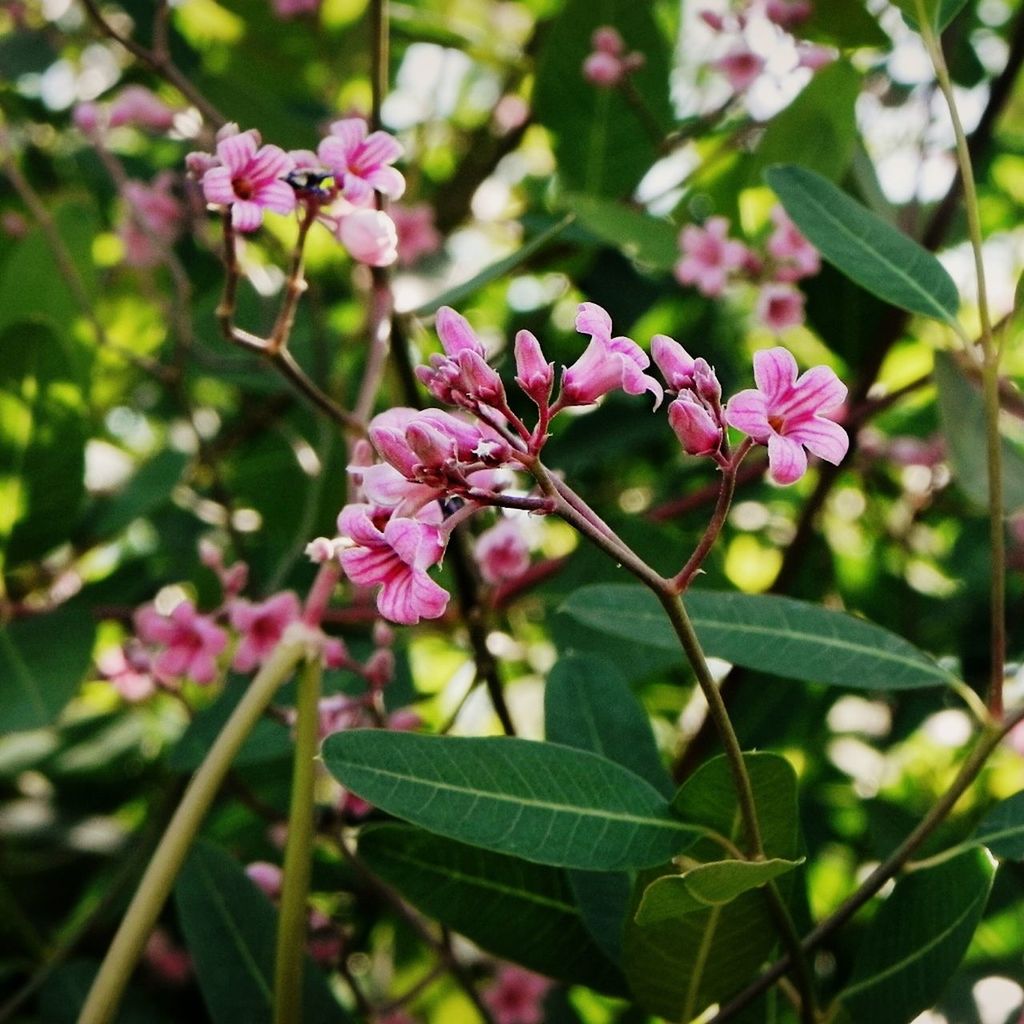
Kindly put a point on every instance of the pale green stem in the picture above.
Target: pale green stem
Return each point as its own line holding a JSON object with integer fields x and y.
{"x": 990, "y": 374}
{"x": 105, "y": 995}
{"x": 291, "y": 924}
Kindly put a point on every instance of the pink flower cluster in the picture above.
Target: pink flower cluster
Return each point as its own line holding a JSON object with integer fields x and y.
{"x": 435, "y": 469}
{"x": 609, "y": 65}
{"x": 134, "y": 106}
{"x": 711, "y": 260}
{"x": 150, "y": 221}
{"x": 336, "y": 183}
{"x": 517, "y": 996}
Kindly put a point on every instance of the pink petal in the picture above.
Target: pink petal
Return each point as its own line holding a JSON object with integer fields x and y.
{"x": 246, "y": 215}
{"x": 380, "y": 148}
{"x": 455, "y": 333}
{"x": 237, "y": 151}
{"x": 775, "y": 371}
{"x": 333, "y": 153}
{"x": 748, "y": 411}
{"x": 278, "y": 196}
{"x": 354, "y": 522}
{"x": 411, "y": 596}
{"x": 356, "y": 190}
{"x": 349, "y": 131}
{"x": 217, "y": 187}
{"x": 269, "y": 163}
{"x": 387, "y": 180}
{"x": 592, "y": 319}
{"x": 822, "y": 437}
{"x": 416, "y": 544}
{"x": 817, "y": 391}
{"x": 368, "y": 566}
{"x": 787, "y": 461}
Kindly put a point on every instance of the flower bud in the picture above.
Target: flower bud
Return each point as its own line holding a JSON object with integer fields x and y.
{"x": 479, "y": 381}
{"x": 533, "y": 373}
{"x": 431, "y": 446}
{"x": 380, "y": 668}
{"x": 394, "y": 449}
{"x": 675, "y": 363}
{"x": 695, "y": 427}
{"x": 455, "y": 333}
{"x": 370, "y": 237}
{"x": 705, "y": 381}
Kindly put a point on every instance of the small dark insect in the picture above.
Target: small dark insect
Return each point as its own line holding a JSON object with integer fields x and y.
{"x": 315, "y": 183}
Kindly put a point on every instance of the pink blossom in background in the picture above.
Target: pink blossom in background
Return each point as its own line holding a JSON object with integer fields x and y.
{"x": 166, "y": 959}
{"x": 788, "y": 13}
{"x": 780, "y": 307}
{"x": 13, "y": 224}
{"x": 713, "y": 20}
{"x": 324, "y": 944}
{"x": 361, "y": 161}
{"x": 191, "y": 642}
{"x": 127, "y": 669}
{"x": 607, "y": 363}
{"x": 354, "y": 806}
{"x": 396, "y": 558}
{"x": 261, "y": 627}
{"x": 741, "y": 67}
{"x": 151, "y": 221}
{"x": 88, "y": 117}
{"x": 248, "y": 180}
{"x": 139, "y": 107}
{"x": 517, "y": 996}
{"x": 709, "y": 256}
{"x": 339, "y": 712}
{"x": 417, "y": 236}
{"x": 269, "y": 877}
{"x": 370, "y": 237}
{"x": 789, "y": 414}
{"x": 609, "y": 64}
{"x": 814, "y": 57}
{"x": 502, "y": 552}
{"x": 286, "y": 9}
{"x": 794, "y": 256}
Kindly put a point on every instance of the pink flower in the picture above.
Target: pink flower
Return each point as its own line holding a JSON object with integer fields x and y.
{"x": 128, "y": 671}
{"x": 191, "y": 642}
{"x": 741, "y": 66}
{"x": 609, "y": 64}
{"x": 794, "y": 255}
{"x": 709, "y": 255}
{"x": 417, "y": 236}
{"x": 534, "y": 374}
{"x": 361, "y": 161}
{"x": 606, "y": 364}
{"x": 517, "y": 996}
{"x": 261, "y": 627}
{"x": 137, "y": 106}
{"x": 324, "y": 944}
{"x": 152, "y": 221}
{"x": 339, "y": 712}
{"x": 249, "y": 180}
{"x": 286, "y": 9}
{"x": 780, "y": 306}
{"x": 675, "y": 363}
{"x": 789, "y": 414}
{"x": 168, "y": 961}
{"x": 809, "y": 55}
{"x": 370, "y": 237}
{"x": 502, "y": 552}
{"x": 698, "y": 430}
{"x": 88, "y": 118}
{"x": 268, "y": 877}
{"x": 788, "y": 13}
{"x": 397, "y": 558}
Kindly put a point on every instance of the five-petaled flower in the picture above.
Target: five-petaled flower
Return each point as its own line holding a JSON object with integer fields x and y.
{"x": 261, "y": 625}
{"x": 361, "y": 161}
{"x": 709, "y": 256}
{"x": 248, "y": 179}
{"x": 790, "y": 413}
{"x": 191, "y": 642}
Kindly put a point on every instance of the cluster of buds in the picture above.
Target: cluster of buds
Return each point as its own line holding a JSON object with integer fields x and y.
{"x": 711, "y": 260}
{"x": 335, "y": 185}
{"x": 610, "y": 65}
{"x": 435, "y": 469}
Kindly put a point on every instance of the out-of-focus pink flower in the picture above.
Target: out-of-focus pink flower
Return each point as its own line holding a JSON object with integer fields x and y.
{"x": 1016, "y": 738}
{"x": 151, "y": 222}
{"x": 696, "y": 427}
{"x": 603, "y": 69}
{"x": 396, "y": 558}
{"x": 741, "y": 66}
{"x": 168, "y": 961}
{"x": 13, "y": 224}
{"x": 88, "y": 118}
{"x": 517, "y": 996}
{"x": 606, "y": 364}
{"x": 417, "y": 236}
{"x": 370, "y": 237}
{"x": 324, "y": 944}
{"x": 502, "y": 552}
{"x": 128, "y": 671}
{"x": 788, "y": 13}
{"x": 404, "y": 720}
{"x": 709, "y": 256}
{"x": 261, "y": 627}
{"x": 362, "y": 160}
{"x": 609, "y": 64}
{"x": 191, "y": 642}
{"x": 534, "y": 374}
{"x": 510, "y": 113}
{"x": 780, "y": 306}
{"x": 713, "y": 20}
{"x": 794, "y": 256}
{"x": 248, "y": 180}
{"x": 286, "y": 9}
{"x": 139, "y": 107}
{"x": 269, "y": 877}
{"x": 339, "y": 712}
{"x": 810, "y": 55}
{"x": 789, "y": 414}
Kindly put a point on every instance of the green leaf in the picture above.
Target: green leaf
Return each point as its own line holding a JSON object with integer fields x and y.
{"x": 603, "y": 147}
{"x": 1002, "y": 829}
{"x": 639, "y": 235}
{"x": 707, "y": 885}
{"x": 513, "y": 909}
{"x": 230, "y": 931}
{"x": 603, "y": 901}
{"x": 42, "y": 661}
{"x": 144, "y": 492}
{"x": 868, "y": 250}
{"x": 776, "y": 635}
{"x": 540, "y": 801}
{"x": 843, "y": 23}
{"x": 939, "y": 12}
{"x": 678, "y": 966}
{"x": 916, "y": 940}
{"x": 818, "y": 130}
{"x": 962, "y": 414}
{"x": 42, "y": 442}
{"x": 588, "y": 705}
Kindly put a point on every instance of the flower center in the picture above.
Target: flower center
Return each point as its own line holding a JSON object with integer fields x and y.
{"x": 243, "y": 188}
{"x": 776, "y": 423}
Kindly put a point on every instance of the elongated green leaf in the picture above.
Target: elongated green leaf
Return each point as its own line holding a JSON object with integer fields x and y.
{"x": 843, "y": 23}
{"x": 939, "y": 12}
{"x": 863, "y": 246}
{"x": 540, "y": 801}
{"x": 603, "y": 901}
{"x": 510, "y": 907}
{"x": 588, "y": 705}
{"x": 1002, "y": 829}
{"x": 962, "y": 414}
{"x": 42, "y": 662}
{"x": 230, "y": 930}
{"x": 678, "y": 966}
{"x": 707, "y": 885}
{"x": 777, "y": 635}
{"x": 917, "y": 939}
{"x": 148, "y": 488}
{"x": 640, "y": 236}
